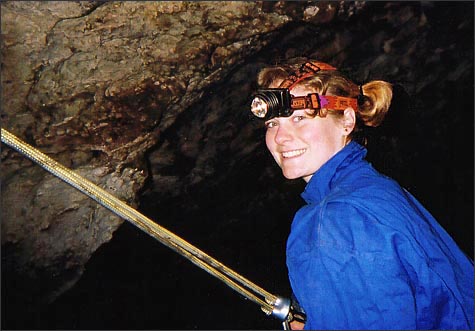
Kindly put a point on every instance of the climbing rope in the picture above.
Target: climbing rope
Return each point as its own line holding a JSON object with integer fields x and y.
{"x": 269, "y": 303}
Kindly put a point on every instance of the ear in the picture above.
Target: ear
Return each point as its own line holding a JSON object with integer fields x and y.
{"x": 349, "y": 120}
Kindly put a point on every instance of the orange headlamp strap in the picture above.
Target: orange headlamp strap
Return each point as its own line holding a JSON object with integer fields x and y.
{"x": 314, "y": 100}
{"x": 317, "y": 101}
{"x": 308, "y": 69}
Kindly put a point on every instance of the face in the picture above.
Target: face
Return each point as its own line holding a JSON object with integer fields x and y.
{"x": 301, "y": 144}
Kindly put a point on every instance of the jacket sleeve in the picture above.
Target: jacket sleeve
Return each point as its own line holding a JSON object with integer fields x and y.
{"x": 352, "y": 277}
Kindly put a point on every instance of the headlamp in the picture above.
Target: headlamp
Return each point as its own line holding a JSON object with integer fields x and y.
{"x": 270, "y": 103}
{"x": 278, "y": 102}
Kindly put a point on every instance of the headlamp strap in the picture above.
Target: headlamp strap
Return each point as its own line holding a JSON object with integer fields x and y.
{"x": 311, "y": 101}
{"x": 339, "y": 103}
{"x": 308, "y": 69}
{"x": 317, "y": 101}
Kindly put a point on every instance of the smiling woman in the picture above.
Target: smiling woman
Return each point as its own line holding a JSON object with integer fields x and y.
{"x": 315, "y": 96}
{"x": 315, "y": 142}
{"x": 363, "y": 253}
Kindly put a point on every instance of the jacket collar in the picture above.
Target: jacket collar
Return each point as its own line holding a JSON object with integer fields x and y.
{"x": 324, "y": 178}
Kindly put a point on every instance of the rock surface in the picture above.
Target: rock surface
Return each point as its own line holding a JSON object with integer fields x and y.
{"x": 149, "y": 99}
{"x": 93, "y": 84}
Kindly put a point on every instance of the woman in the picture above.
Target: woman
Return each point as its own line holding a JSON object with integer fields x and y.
{"x": 363, "y": 253}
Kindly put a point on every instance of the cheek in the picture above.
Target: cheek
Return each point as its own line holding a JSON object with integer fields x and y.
{"x": 322, "y": 134}
{"x": 270, "y": 141}
{"x": 313, "y": 136}
{"x": 272, "y": 147}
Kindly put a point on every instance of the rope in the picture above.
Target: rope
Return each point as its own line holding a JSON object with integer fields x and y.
{"x": 199, "y": 258}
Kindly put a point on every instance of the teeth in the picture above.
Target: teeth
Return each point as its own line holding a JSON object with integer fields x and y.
{"x": 293, "y": 153}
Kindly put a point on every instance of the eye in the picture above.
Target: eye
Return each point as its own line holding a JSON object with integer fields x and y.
{"x": 298, "y": 118}
{"x": 270, "y": 124}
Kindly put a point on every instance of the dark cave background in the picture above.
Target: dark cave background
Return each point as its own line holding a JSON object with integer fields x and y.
{"x": 237, "y": 207}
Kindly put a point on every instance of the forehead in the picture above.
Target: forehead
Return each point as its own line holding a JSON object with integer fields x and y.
{"x": 297, "y": 112}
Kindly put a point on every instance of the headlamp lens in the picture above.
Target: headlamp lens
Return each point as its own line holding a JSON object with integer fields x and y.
{"x": 269, "y": 103}
{"x": 259, "y": 107}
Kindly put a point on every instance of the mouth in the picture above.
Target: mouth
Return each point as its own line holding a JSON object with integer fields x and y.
{"x": 294, "y": 153}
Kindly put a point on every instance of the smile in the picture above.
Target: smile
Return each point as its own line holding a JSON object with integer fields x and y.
{"x": 294, "y": 153}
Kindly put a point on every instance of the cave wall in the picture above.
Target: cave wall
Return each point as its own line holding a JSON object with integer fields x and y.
{"x": 149, "y": 99}
{"x": 93, "y": 84}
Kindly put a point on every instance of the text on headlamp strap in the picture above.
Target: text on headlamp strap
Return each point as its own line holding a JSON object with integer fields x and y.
{"x": 339, "y": 103}
{"x": 311, "y": 101}
{"x": 316, "y": 101}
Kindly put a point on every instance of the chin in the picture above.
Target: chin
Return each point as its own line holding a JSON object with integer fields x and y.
{"x": 291, "y": 175}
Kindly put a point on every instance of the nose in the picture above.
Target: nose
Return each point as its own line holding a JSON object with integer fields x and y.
{"x": 283, "y": 134}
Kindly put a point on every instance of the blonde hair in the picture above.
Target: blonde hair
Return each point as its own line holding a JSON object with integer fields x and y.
{"x": 371, "y": 111}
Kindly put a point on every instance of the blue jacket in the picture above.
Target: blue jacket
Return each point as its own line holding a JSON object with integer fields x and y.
{"x": 365, "y": 254}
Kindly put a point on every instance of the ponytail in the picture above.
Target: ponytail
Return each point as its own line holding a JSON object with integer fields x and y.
{"x": 375, "y": 102}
